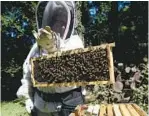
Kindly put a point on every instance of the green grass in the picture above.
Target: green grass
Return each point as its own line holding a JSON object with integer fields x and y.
{"x": 14, "y": 108}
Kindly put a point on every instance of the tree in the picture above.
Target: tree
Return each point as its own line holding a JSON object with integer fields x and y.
{"x": 18, "y": 21}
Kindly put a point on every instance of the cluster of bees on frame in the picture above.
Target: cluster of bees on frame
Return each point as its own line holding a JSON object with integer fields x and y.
{"x": 78, "y": 67}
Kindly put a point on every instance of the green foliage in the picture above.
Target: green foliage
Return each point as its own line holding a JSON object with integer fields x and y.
{"x": 104, "y": 8}
{"x": 140, "y": 96}
{"x": 140, "y": 93}
{"x": 97, "y": 33}
{"x": 18, "y": 21}
{"x": 14, "y": 14}
{"x": 132, "y": 31}
{"x": 79, "y": 26}
{"x": 12, "y": 69}
{"x": 127, "y": 27}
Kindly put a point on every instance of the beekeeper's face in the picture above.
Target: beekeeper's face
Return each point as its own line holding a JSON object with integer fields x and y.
{"x": 59, "y": 22}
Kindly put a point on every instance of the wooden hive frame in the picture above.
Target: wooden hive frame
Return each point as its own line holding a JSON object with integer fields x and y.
{"x": 122, "y": 109}
{"x": 108, "y": 47}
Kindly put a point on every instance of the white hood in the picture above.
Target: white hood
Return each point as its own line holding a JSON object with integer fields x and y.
{"x": 59, "y": 15}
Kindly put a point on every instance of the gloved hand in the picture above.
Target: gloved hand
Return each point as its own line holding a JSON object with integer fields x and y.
{"x": 46, "y": 39}
{"x": 29, "y": 105}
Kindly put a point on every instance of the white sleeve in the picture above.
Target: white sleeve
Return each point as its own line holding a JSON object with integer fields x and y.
{"x": 73, "y": 42}
{"x": 25, "y": 89}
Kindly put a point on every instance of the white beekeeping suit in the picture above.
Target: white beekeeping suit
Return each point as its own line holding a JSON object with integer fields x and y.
{"x": 26, "y": 90}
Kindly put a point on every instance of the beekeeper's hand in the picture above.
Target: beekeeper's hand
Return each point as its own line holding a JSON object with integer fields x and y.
{"x": 29, "y": 105}
{"x": 46, "y": 39}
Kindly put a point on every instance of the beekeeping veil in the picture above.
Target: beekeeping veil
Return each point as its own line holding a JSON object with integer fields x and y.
{"x": 59, "y": 15}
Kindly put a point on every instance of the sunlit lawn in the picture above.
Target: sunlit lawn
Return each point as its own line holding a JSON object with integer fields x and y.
{"x": 13, "y": 108}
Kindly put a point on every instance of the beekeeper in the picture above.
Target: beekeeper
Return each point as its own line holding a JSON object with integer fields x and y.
{"x": 52, "y": 101}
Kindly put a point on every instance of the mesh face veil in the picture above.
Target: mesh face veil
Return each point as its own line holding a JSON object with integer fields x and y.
{"x": 59, "y": 15}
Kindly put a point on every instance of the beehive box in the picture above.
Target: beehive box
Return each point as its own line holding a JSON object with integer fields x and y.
{"x": 92, "y": 65}
{"x": 109, "y": 110}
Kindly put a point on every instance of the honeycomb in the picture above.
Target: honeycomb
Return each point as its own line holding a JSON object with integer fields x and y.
{"x": 80, "y": 65}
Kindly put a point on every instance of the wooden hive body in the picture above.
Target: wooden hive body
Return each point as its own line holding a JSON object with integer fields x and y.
{"x": 110, "y": 110}
{"x": 74, "y": 67}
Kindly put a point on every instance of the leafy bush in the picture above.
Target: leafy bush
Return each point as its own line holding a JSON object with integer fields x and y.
{"x": 78, "y": 24}
{"x": 18, "y": 20}
{"x": 131, "y": 86}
